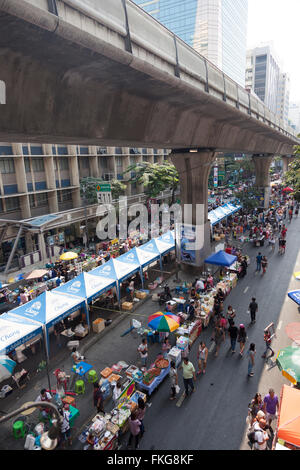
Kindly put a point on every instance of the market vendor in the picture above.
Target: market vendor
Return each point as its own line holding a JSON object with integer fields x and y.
{"x": 44, "y": 396}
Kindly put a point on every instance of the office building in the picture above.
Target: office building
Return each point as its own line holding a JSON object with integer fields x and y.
{"x": 263, "y": 75}
{"x": 294, "y": 116}
{"x": 36, "y": 180}
{"x": 217, "y": 29}
{"x": 283, "y": 99}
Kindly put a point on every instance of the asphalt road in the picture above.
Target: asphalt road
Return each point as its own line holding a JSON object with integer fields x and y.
{"x": 213, "y": 418}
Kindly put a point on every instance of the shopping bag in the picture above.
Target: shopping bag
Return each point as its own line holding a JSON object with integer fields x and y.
{"x": 177, "y": 389}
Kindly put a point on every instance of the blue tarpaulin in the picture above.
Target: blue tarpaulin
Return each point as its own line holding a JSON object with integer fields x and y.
{"x": 221, "y": 259}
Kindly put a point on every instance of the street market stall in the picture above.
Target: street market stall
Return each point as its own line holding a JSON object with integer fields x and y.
{"x": 287, "y": 434}
{"x": 48, "y": 309}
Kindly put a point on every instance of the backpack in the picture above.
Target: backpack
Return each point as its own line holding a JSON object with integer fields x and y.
{"x": 251, "y": 436}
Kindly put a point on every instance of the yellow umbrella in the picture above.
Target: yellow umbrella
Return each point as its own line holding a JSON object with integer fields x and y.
{"x": 68, "y": 256}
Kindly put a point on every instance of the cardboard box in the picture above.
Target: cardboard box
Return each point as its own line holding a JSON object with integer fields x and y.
{"x": 140, "y": 295}
{"x": 98, "y": 325}
{"x": 127, "y": 305}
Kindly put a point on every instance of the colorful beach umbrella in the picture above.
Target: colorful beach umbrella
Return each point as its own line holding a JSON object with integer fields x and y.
{"x": 68, "y": 256}
{"x": 7, "y": 366}
{"x": 288, "y": 362}
{"x": 167, "y": 322}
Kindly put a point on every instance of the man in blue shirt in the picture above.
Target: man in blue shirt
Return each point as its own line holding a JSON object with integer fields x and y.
{"x": 258, "y": 262}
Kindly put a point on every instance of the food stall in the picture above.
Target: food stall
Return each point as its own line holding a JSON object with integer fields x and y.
{"x": 152, "y": 377}
{"x": 106, "y": 428}
{"x": 191, "y": 330}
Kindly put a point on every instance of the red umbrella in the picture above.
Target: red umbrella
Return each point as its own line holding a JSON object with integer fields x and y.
{"x": 293, "y": 331}
{"x": 288, "y": 189}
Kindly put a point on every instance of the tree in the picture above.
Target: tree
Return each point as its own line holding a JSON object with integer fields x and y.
{"x": 292, "y": 176}
{"x": 88, "y": 187}
{"x": 249, "y": 198}
{"x": 155, "y": 177}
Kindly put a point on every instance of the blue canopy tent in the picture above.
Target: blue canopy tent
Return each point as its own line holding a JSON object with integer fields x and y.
{"x": 147, "y": 256}
{"x": 165, "y": 243}
{"x": 118, "y": 270}
{"x": 221, "y": 259}
{"x": 215, "y": 216}
{"x": 15, "y": 331}
{"x": 132, "y": 263}
{"x": 295, "y": 296}
{"x": 87, "y": 286}
{"x": 48, "y": 308}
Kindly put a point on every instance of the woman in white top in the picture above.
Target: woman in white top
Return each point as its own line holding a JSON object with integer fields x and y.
{"x": 202, "y": 357}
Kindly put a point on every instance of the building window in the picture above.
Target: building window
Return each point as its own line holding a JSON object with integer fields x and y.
{"x": 36, "y": 150}
{"x": 41, "y": 199}
{"x": 31, "y": 200}
{"x": 6, "y": 150}
{"x": 63, "y": 164}
{"x": 27, "y": 164}
{"x": 7, "y": 165}
{"x": 12, "y": 204}
{"x": 84, "y": 162}
{"x": 37, "y": 164}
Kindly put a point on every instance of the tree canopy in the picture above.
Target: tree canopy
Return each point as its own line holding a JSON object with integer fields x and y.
{"x": 88, "y": 185}
{"x": 155, "y": 177}
{"x": 292, "y": 176}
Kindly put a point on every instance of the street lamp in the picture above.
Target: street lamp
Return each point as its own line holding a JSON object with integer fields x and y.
{"x": 49, "y": 439}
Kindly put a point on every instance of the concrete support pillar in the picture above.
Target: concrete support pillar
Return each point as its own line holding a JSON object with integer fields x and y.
{"x": 194, "y": 168}
{"x": 285, "y": 163}
{"x": 42, "y": 245}
{"x": 29, "y": 242}
{"x": 262, "y": 176}
{"x": 94, "y": 169}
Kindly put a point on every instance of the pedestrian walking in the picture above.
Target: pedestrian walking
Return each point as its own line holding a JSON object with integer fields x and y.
{"x": 166, "y": 348}
{"x": 143, "y": 351}
{"x": 258, "y": 261}
{"x": 98, "y": 398}
{"x": 188, "y": 375}
{"x": 254, "y": 407}
{"x": 202, "y": 357}
{"x": 271, "y": 406}
{"x": 242, "y": 336}
{"x": 218, "y": 337}
{"x": 264, "y": 264}
{"x": 233, "y": 334}
{"x": 140, "y": 414}
{"x": 134, "y": 428}
{"x": 65, "y": 426}
{"x": 267, "y": 340}
{"x": 261, "y": 435}
{"x": 174, "y": 380}
{"x": 230, "y": 314}
{"x": 251, "y": 356}
{"x": 253, "y": 307}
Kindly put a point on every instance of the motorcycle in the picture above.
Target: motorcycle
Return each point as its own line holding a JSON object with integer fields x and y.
{"x": 165, "y": 296}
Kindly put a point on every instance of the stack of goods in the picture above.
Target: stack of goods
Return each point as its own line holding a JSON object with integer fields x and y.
{"x": 175, "y": 355}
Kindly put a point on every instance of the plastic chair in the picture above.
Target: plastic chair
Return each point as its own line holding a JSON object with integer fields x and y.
{"x": 92, "y": 376}
{"x": 19, "y": 429}
{"x": 79, "y": 387}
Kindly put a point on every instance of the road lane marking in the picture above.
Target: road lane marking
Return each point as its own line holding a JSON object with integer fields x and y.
{"x": 279, "y": 325}
{"x": 246, "y": 289}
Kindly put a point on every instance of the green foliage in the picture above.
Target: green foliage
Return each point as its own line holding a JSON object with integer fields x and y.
{"x": 292, "y": 177}
{"x": 249, "y": 198}
{"x": 155, "y": 177}
{"x": 88, "y": 186}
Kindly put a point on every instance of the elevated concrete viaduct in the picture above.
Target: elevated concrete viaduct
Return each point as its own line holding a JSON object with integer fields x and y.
{"x": 106, "y": 73}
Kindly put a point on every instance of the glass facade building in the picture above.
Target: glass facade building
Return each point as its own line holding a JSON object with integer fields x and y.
{"x": 216, "y": 29}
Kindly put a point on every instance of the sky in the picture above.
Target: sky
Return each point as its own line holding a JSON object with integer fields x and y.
{"x": 278, "y": 21}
